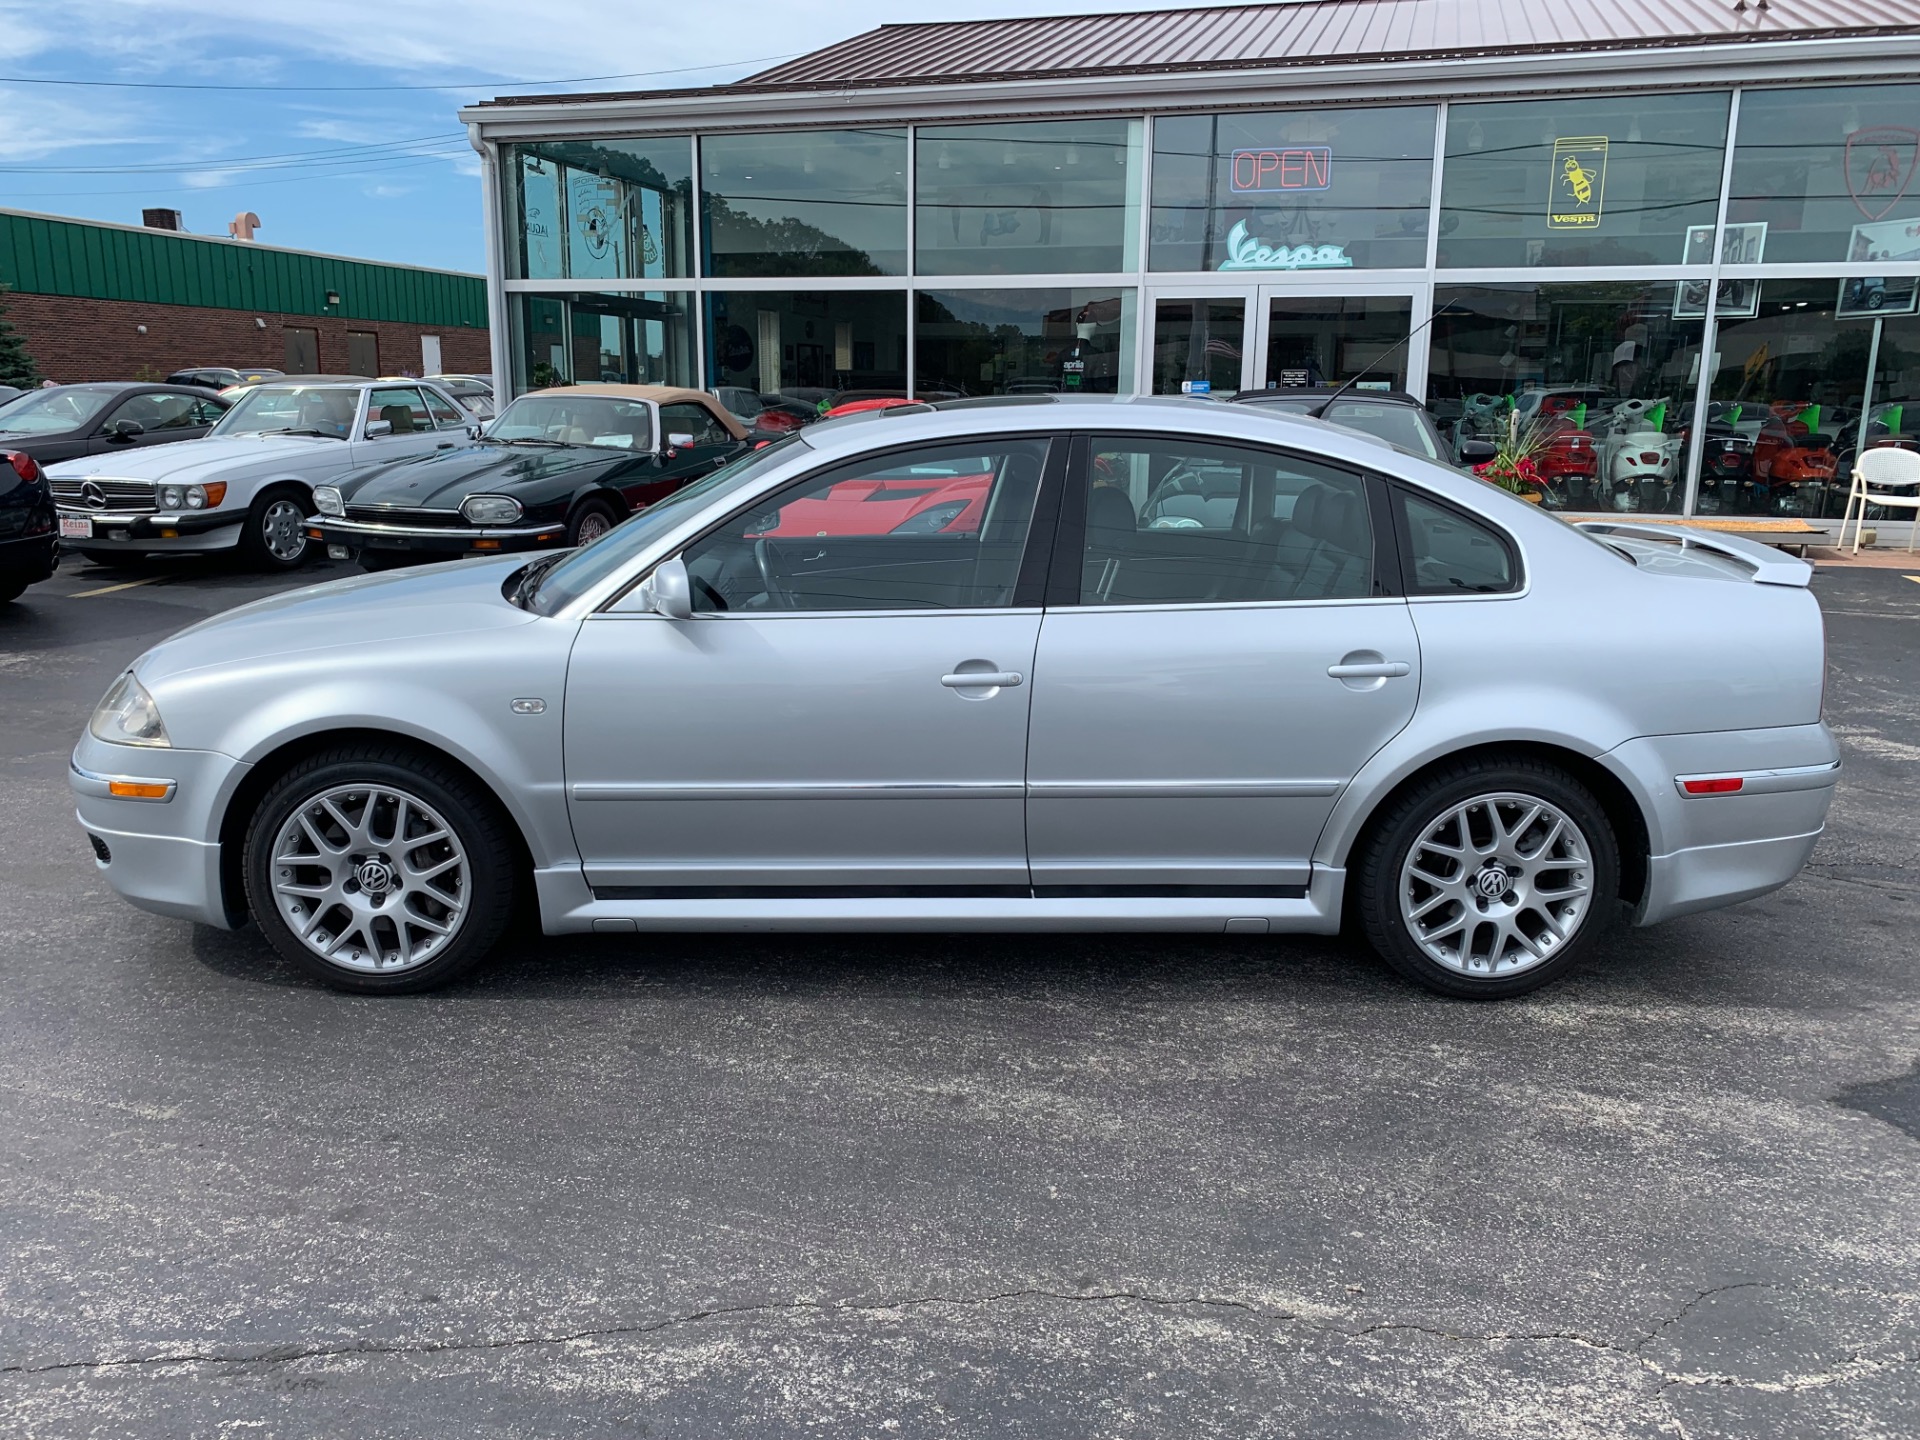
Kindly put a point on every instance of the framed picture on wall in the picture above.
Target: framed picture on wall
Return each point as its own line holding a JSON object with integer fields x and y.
{"x": 1744, "y": 244}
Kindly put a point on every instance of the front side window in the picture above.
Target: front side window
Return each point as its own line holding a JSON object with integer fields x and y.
{"x": 159, "y": 412}
{"x": 933, "y": 528}
{"x": 694, "y": 420}
{"x": 1174, "y": 522}
{"x": 401, "y": 406}
{"x": 1449, "y": 554}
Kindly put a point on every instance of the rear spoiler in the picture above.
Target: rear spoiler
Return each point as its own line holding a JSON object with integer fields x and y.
{"x": 1769, "y": 566}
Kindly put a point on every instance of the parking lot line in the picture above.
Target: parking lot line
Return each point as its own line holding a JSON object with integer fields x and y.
{"x": 123, "y": 585}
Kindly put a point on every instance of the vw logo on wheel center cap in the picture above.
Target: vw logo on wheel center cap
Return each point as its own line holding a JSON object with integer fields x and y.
{"x": 1493, "y": 882}
{"x": 375, "y": 876}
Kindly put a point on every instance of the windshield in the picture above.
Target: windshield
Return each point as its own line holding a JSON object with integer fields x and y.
{"x": 292, "y": 410}
{"x": 612, "y": 422}
{"x": 586, "y": 567}
{"x": 49, "y": 412}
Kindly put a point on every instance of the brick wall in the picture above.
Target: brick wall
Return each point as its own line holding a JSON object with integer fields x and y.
{"x": 74, "y": 339}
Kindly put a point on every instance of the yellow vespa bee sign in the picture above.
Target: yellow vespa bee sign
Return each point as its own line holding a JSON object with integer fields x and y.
{"x": 1578, "y": 183}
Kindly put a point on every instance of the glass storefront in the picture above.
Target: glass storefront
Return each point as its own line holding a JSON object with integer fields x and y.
{"x": 1603, "y": 180}
{"x": 625, "y": 337}
{"x": 1282, "y": 190}
{"x": 808, "y": 202}
{"x": 601, "y": 210}
{"x": 1827, "y": 175}
{"x": 1280, "y": 247}
{"x": 1047, "y": 197}
{"x": 1025, "y": 342}
{"x": 1601, "y": 376}
{"x": 808, "y": 345}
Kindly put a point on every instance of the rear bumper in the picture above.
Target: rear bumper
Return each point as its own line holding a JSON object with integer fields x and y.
{"x": 434, "y": 539}
{"x": 1709, "y": 876}
{"x": 32, "y": 555}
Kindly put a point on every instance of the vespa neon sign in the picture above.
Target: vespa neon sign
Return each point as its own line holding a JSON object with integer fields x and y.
{"x": 1246, "y": 253}
{"x": 1290, "y": 167}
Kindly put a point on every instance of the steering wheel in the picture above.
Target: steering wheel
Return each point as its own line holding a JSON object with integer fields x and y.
{"x": 776, "y": 592}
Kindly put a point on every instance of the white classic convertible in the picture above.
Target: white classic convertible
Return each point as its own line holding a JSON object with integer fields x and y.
{"x": 249, "y": 482}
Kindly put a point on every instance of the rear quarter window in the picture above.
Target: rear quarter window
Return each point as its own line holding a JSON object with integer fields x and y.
{"x": 1445, "y": 551}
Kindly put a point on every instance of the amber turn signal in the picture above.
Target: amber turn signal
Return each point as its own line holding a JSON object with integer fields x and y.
{"x": 137, "y": 789}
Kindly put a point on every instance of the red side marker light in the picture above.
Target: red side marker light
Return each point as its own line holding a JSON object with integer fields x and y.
{"x": 1725, "y": 786}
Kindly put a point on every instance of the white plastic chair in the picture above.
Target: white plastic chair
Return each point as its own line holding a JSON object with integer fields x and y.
{"x": 1874, "y": 471}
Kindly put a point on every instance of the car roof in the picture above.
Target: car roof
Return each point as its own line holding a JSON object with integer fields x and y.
{"x": 659, "y": 394}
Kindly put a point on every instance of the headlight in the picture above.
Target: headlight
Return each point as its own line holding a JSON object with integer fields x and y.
{"x": 172, "y": 497}
{"x": 128, "y": 716}
{"x": 490, "y": 509}
{"x": 326, "y": 499}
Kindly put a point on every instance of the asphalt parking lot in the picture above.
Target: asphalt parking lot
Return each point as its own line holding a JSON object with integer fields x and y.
{"x": 1040, "y": 1187}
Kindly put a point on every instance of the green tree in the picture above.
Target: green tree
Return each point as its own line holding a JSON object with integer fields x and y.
{"x": 16, "y": 365}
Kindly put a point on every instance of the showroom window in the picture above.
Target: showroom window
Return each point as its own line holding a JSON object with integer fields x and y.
{"x": 1034, "y": 198}
{"x": 1284, "y": 190}
{"x": 1599, "y": 378}
{"x": 636, "y": 338}
{"x": 600, "y": 209}
{"x": 1198, "y": 346}
{"x": 1827, "y": 174}
{"x": 1601, "y": 180}
{"x": 807, "y": 346}
{"x": 1025, "y": 342}
{"x": 806, "y": 202}
{"x": 1790, "y": 401}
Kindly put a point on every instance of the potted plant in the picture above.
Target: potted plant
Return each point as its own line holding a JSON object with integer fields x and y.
{"x": 1514, "y": 466}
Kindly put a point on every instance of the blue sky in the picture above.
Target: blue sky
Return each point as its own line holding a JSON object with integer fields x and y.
{"x": 380, "y": 172}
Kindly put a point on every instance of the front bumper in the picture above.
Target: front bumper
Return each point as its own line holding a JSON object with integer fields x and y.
{"x": 160, "y": 854}
{"x": 141, "y": 530}
{"x": 449, "y": 540}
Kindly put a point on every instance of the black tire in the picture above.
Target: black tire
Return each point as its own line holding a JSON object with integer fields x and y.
{"x": 471, "y": 815}
{"x": 587, "y": 515}
{"x": 113, "y": 559}
{"x": 12, "y": 587}
{"x": 264, "y": 540}
{"x": 1381, "y": 864}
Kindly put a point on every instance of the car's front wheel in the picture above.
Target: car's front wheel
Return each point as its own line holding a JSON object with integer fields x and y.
{"x": 379, "y": 870}
{"x": 589, "y": 521}
{"x": 274, "y": 534}
{"x": 1490, "y": 878}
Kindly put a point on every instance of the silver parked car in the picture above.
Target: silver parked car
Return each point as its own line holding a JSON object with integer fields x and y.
{"x": 1043, "y": 664}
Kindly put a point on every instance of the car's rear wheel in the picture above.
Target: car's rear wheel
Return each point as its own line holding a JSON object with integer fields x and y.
{"x": 274, "y": 534}
{"x": 1490, "y": 878}
{"x": 379, "y": 870}
{"x": 590, "y": 520}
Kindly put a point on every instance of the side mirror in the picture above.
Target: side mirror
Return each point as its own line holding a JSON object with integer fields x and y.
{"x": 126, "y": 430}
{"x": 670, "y": 590}
{"x": 1476, "y": 452}
{"x": 473, "y": 431}
{"x": 377, "y": 428}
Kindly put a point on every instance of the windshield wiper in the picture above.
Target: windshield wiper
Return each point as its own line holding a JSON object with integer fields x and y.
{"x": 529, "y": 583}
{"x": 290, "y": 430}
{"x": 531, "y": 440}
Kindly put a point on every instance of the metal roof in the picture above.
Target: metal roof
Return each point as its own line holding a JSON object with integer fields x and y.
{"x": 1312, "y": 30}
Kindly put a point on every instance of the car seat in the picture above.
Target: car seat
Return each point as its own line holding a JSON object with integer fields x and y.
{"x": 398, "y": 416}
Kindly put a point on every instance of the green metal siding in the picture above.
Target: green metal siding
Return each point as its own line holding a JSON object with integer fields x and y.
{"x": 42, "y": 256}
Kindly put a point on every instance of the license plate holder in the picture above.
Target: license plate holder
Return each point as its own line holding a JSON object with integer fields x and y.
{"x": 75, "y": 527}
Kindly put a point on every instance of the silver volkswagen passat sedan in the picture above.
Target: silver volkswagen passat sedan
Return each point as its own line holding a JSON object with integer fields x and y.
{"x": 1034, "y": 664}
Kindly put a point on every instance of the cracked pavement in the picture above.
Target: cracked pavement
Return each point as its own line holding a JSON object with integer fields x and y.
{"x": 956, "y": 1186}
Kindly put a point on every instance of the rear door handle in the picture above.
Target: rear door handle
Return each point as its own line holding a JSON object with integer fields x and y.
{"x": 982, "y": 679}
{"x": 1378, "y": 669}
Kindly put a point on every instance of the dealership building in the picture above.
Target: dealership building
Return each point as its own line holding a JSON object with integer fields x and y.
{"x": 1606, "y": 217}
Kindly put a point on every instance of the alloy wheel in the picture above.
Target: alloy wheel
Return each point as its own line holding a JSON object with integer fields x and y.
{"x": 1497, "y": 885}
{"x": 283, "y": 531}
{"x": 370, "y": 878}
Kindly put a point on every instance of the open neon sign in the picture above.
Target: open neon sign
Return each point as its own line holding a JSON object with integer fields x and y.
{"x": 1291, "y": 167}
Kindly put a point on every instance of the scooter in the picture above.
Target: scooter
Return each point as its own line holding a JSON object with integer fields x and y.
{"x": 1640, "y": 457}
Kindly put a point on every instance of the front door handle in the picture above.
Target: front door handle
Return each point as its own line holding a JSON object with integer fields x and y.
{"x": 1376, "y": 670}
{"x": 982, "y": 679}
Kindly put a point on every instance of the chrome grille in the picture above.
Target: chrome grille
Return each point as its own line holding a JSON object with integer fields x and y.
{"x": 406, "y": 515}
{"x": 118, "y": 496}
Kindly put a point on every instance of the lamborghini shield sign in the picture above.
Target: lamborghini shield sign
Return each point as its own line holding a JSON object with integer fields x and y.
{"x": 1578, "y": 183}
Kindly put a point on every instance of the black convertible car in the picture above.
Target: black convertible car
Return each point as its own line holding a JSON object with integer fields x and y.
{"x": 555, "y": 468}
{"x": 70, "y": 421}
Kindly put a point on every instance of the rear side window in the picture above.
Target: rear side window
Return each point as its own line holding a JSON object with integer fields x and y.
{"x": 1446, "y": 553}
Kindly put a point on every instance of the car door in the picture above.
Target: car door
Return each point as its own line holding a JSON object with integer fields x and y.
{"x": 1221, "y": 653}
{"x": 162, "y": 416}
{"x": 713, "y": 444}
{"x": 413, "y": 433}
{"x": 858, "y": 728}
